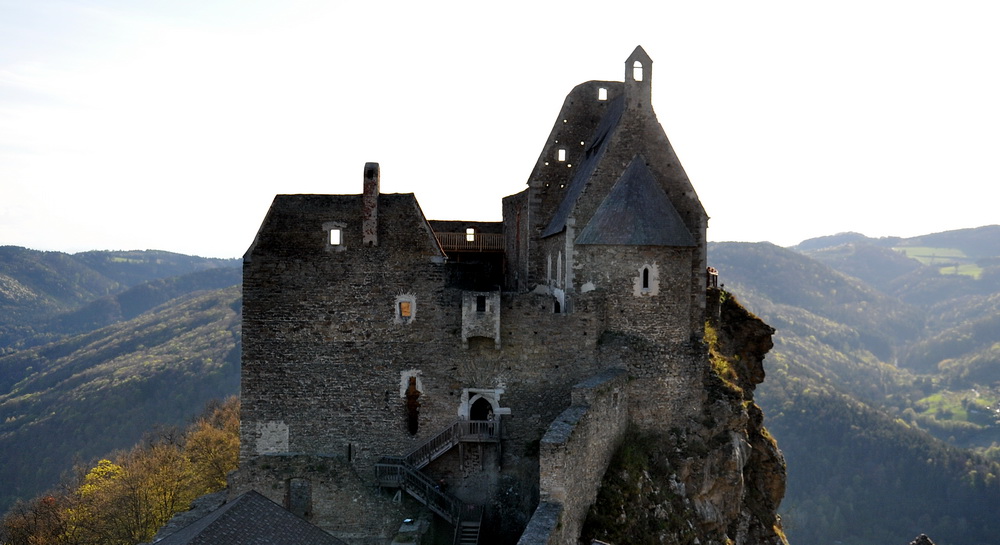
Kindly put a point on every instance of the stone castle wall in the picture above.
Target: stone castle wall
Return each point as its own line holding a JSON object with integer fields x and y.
{"x": 333, "y": 496}
{"x": 574, "y": 453}
{"x": 362, "y": 338}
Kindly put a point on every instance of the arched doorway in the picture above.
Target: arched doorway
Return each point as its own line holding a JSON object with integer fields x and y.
{"x": 481, "y": 409}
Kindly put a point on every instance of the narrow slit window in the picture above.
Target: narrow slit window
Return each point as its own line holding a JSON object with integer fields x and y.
{"x": 645, "y": 278}
{"x": 602, "y": 93}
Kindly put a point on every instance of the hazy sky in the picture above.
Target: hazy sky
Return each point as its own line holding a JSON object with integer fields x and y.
{"x": 171, "y": 124}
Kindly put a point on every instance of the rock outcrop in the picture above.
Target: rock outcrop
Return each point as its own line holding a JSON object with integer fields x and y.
{"x": 717, "y": 481}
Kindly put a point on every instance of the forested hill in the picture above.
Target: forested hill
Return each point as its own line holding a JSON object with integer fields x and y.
{"x": 98, "y": 348}
{"x": 883, "y": 389}
{"x": 37, "y": 288}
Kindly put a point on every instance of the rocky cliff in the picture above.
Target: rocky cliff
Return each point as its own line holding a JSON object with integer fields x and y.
{"x": 719, "y": 482}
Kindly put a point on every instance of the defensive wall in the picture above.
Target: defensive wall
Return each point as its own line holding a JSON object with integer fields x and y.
{"x": 573, "y": 456}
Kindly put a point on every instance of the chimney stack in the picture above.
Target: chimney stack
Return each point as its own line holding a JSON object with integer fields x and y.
{"x": 369, "y": 206}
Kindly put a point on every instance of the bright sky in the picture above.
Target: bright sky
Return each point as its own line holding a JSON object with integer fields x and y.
{"x": 171, "y": 124}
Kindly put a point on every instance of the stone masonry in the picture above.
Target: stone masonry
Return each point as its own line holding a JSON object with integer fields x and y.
{"x": 367, "y": 330}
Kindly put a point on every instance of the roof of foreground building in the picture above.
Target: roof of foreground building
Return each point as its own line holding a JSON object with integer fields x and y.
{"x": 250, "y": 519}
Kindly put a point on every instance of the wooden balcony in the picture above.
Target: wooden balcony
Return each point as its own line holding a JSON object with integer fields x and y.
{"x": 471, "y": 242}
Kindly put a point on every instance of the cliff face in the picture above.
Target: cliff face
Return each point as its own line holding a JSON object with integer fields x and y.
{"x": 717, "y": 481}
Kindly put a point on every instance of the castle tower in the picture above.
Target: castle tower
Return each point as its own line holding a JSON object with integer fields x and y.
{"x": 609, "y": 188}
{"x": 370, "y": 332}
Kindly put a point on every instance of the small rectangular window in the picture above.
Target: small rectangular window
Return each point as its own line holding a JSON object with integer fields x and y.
{"x": 480, "y": 303}
{"x": 404, "y": 309}
{"x": 602, "y": 93}
{"x": 335, "y": 237}
{"x": 561, "y": 155}
{"x": 470, "y": 235}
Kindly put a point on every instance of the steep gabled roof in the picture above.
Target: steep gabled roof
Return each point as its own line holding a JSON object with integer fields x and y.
{"x": 250, "y": 519}
{"x": 637, "y": 211}
{"x": 596, "y": 146}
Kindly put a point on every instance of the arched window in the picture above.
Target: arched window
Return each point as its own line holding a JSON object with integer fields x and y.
{"x": 637, "y": 71}
{"x": 646, "y": 282}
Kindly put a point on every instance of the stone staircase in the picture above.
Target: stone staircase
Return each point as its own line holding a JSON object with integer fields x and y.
{"x": 403, "y": 472}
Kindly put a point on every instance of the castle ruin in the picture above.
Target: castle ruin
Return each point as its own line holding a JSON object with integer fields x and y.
{"x": 482, "y": 371}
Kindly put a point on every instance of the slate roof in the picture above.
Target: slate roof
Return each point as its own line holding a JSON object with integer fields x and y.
{"x": 637, "y": 211}
{"x": 250, "y": 519}
{"x": 592, "y": 157}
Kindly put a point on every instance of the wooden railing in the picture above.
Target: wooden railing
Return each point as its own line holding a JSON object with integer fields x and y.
{"x": 471, "y": 242}
{"x": 429, "y": 450}
{"x": 398, "y": 473}
{"x": 395, "y": 472}
{"x": 477, "y": 431}
{"x": 404, "y": 471}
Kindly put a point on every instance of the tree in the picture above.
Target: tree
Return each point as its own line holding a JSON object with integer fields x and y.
{"x": 125, "y": 498}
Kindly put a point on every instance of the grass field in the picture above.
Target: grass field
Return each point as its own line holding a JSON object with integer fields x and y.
{"x": 948, "y": 405}
{"x": 948, "y": 260}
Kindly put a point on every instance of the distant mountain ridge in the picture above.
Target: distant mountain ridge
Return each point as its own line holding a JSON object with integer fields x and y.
{"x": 98, "y": 348}
{"x": 37, "y": 286}
{"x": 885, "y": 371}
{"x": 886, "y": 361}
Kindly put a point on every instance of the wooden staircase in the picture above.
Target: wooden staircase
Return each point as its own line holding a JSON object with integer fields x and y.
{"x": 468, "y": 532}
{"x": 403, "y": 472}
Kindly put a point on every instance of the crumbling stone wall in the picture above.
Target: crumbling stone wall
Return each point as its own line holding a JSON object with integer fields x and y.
{"x": 364, "y": 338}
{"x": 574, "y": 453}
{"x": 578, "y": 119}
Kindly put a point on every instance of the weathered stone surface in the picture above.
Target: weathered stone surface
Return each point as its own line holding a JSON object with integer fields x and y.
{"x": 364, "y": 335}
{"x": 717, "y": 479}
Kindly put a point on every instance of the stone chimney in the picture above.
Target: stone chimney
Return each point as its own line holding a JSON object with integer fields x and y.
{"x": 369, "y": 206}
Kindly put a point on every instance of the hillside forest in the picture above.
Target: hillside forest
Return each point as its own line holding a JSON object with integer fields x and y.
{"x": 126, "y": 498}
{"x": 882, "y": 390}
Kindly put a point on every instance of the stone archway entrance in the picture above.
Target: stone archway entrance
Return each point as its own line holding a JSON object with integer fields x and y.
{"x": 477, "y": 403}
{"x": 481, "y": 409}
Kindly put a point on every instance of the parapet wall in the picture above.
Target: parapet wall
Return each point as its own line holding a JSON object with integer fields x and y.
{"x": 573, "y": 455}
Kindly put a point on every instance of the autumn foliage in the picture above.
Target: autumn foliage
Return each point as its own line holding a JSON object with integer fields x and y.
{"x": 126, "y": 498}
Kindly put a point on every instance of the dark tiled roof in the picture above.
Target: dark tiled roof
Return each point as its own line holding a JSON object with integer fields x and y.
{"x": 592, "y": 157}
{"x": 637, "y": 211}
{"x": 250, "y": 519}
